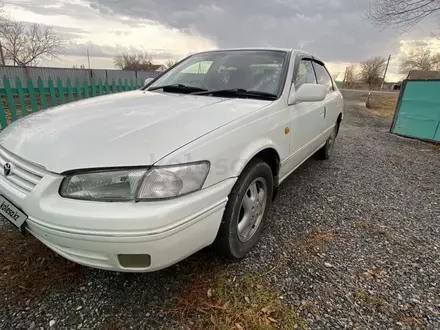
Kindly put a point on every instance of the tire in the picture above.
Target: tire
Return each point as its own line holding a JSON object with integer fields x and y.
{"x": 253, "y": 188}
{"x": 325, "y": 151}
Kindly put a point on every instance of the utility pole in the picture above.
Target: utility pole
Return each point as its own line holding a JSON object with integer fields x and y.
{"x": 2, "y": 56}
{"x": 89, "y": 72}
{"x": 385, "y": 73}
{"x": 88, "y": 57}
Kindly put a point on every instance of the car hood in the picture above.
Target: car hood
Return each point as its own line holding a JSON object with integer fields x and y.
{"x": 127, "y": 129}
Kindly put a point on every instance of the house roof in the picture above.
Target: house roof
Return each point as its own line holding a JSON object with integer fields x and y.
{"x": 156, "y": 66}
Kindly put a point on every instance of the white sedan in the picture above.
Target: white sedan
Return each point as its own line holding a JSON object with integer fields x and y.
{"x": 139, "y": 180}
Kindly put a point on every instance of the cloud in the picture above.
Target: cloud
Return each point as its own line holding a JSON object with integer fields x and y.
{"x": 108, "y": 34}
{"x": 335, "y": 30}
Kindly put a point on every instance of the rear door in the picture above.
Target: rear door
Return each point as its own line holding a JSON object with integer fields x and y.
{"x": 332, "y": 100}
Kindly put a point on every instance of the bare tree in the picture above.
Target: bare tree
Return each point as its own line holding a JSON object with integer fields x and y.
{"x": 2, "y": 55}
{"x": 435, "y": 62}
{"x": 28, "y": 44}
{"x": 420, "y": 60}
{"x": 350, "y": 76}
{"x": 371, "y": 71}
{"x": 134, "y": 62}
{"x": 82, "y": 66}
{"x": 402, "y": 13}
{"x": 170, "y": 63}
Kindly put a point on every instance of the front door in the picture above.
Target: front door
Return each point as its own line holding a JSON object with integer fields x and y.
{"x": 306, "y": 118}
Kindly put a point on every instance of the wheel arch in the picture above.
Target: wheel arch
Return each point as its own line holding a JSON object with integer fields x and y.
{"x": 271, "y": 156}
{"x": 338, "y": 122}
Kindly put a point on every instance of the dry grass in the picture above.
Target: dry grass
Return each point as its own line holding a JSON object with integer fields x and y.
{"x": 382, "y": 105}
{"x": 371, "y": 299}
{"x": 29, "y": 269}
{"x": 410, "y": 321}
{"x": 372, "y": 274}
{"x": 312, "y": 244}
{"x": 213, "y": 299}
{"x": 402, "y": 315}
{"x": 375, "y": 228}
{"x": 113, "y": 323}
{"x": 318, "y": 239}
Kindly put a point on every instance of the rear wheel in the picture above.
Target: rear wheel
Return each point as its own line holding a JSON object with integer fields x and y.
{"x": 325, "y": 151}
{"x": 246, "y": 211}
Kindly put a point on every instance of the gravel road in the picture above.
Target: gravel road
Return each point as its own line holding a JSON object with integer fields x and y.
{"x": 352, "y": 242}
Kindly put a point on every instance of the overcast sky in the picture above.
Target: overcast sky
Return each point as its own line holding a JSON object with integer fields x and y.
{"x": 335, "y": 30}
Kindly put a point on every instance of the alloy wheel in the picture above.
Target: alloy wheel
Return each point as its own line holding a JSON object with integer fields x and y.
{"x": 252, "y": 209}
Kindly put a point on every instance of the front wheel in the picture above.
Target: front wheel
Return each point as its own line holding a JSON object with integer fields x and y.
{"x": 246, "y": 211}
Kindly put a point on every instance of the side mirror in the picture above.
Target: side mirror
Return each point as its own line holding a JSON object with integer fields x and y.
{"x": 147, "y": 81}
{"x": 308, "y": 93}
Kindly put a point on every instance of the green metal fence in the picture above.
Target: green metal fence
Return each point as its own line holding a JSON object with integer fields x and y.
{"x": 417, "y": 113}
{"x": 340, "y": 84}
{"x": 25, "y": 98}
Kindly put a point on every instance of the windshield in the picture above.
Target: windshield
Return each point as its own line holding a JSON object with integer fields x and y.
{"x": 250, "y": 70}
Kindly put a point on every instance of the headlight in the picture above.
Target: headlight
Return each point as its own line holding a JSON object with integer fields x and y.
{"x": 136, "y": 184}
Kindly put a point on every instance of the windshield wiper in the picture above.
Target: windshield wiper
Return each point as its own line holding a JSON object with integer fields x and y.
{"x": 238, "y": 92}
{"x": 178, "y": 87}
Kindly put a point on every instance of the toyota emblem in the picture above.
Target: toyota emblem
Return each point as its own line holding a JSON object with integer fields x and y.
{"x": 7, "y": 169}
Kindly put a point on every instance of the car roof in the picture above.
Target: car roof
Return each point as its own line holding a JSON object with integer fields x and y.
{"x": 288, "y": 50}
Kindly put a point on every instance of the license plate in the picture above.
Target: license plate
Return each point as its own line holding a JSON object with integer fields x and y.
{"x": 11, "y": 212}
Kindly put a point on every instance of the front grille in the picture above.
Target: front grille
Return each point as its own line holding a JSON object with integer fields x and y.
{"x": 23, "y": 175}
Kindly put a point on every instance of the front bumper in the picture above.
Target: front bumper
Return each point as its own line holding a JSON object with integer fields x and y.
{"x": 97, "y": 234}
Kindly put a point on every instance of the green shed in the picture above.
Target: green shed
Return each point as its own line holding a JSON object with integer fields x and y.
{"x": 417, "y": 112}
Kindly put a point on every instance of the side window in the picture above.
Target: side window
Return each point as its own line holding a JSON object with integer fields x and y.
{"x": 323, "y": 76}
{"x": 305, "y": 74}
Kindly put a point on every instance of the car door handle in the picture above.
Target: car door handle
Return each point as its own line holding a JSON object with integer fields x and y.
{"x": 323, "y": 112}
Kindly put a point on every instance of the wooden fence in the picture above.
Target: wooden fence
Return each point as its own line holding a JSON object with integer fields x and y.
{"x": 21, "y": 100}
